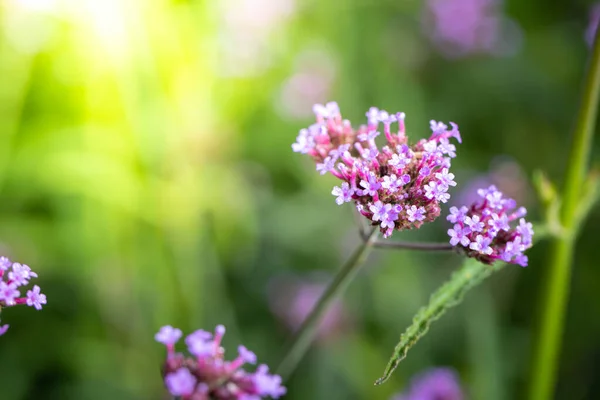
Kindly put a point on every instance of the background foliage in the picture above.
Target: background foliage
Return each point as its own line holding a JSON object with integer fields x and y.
{"x": 146, "y": 174}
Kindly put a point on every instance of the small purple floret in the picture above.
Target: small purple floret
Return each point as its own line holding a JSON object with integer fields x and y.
{"x": 266, "y": 384}
{"x": 181, "y": 382}
{"x": 370, "y": 186}
{"x": 168, "y": 335}
{"x": 343, "y": 194}
{"x": 35, "y": 298}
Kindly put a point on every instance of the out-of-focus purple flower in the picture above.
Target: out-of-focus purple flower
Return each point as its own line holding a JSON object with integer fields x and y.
{"x": 388, "y": 184}
{"x": 459, "y": 28}
{"x": 291, "y": 299}
{"x": 207, "y": 375}
{"x": 594, "y": 19}
{"x": 310, "y": 82}
{"x": 3, "y": 329}
{"x": 12, "y": 277}
{"x": 485, "y": 232}
{"x": 5, "y": 263}
{"x": 505, "y": 174}
{"x": 433, "y": 384}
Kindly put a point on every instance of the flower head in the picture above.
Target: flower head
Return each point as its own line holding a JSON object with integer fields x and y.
{"x": 12, "y": 277}
{"x": 208, "y": 376}
{"x": 483, "y": 231}
{"x": 434, "y": 384}
{"x": 396, "y": 186}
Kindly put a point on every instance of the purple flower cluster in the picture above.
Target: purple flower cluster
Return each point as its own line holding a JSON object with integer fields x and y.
{"x": 483, "y": 231}
{"x": 396, "y": 186}
{"x": 434, "y": 384}
{"x": 207, "y": 375}
{"x": 12, "y": 276}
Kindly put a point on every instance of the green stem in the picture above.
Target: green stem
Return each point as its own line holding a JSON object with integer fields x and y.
{"x": 555, "y": 293}
{"x": 307, "y": 331}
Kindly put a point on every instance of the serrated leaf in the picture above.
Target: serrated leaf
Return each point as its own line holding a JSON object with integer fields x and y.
{"x": 448, "y": 295}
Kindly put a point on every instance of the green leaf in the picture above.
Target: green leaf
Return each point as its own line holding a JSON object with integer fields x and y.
{"x": 551, "y": 201}
{"x": 447, "y": 296}
{"x": 545, "y": 189}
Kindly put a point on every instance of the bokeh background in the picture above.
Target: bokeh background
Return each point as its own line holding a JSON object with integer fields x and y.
{"x": 146, "y": 174}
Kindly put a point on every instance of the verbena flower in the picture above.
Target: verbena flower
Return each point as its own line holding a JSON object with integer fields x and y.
{"x": 13, "y": 276}
{"x": 207, "y": 375}
{"x": 483, "y": 230}
{"x": 434, "y": 384}
{"x": 396, "y": 186}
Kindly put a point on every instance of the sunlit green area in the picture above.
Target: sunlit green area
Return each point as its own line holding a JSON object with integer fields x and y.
{"x": 147, "y": 176}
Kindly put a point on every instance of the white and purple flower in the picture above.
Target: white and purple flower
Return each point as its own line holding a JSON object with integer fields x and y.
{"x": 483, "y": 230}
{"x": 13, "y": 276}
{"x": 207, "y": 375}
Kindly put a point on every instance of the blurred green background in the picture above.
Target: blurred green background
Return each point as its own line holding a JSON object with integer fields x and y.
{"x": 146, "y": 174}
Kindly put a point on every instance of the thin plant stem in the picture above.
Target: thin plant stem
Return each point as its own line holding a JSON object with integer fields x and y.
{"x": 305, "y": 335}
{"x": 555, "y": 293}
{"x": 397, "y": 244}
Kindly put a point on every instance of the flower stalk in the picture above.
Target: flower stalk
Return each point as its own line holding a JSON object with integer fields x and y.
{"x": 305, "y": 335}
{"x": 555, "y": 293}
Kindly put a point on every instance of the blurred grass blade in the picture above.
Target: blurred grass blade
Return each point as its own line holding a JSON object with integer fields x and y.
{"x": 447, "y": 296}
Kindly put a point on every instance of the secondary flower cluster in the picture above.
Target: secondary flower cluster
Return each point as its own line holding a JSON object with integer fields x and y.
{"x": 483, "y": 230}
{"x": 207, "y": 375}
{"x": 434, "y": 384}
{"x": 396, "y": 186}
{"x": 12, "y": 276}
